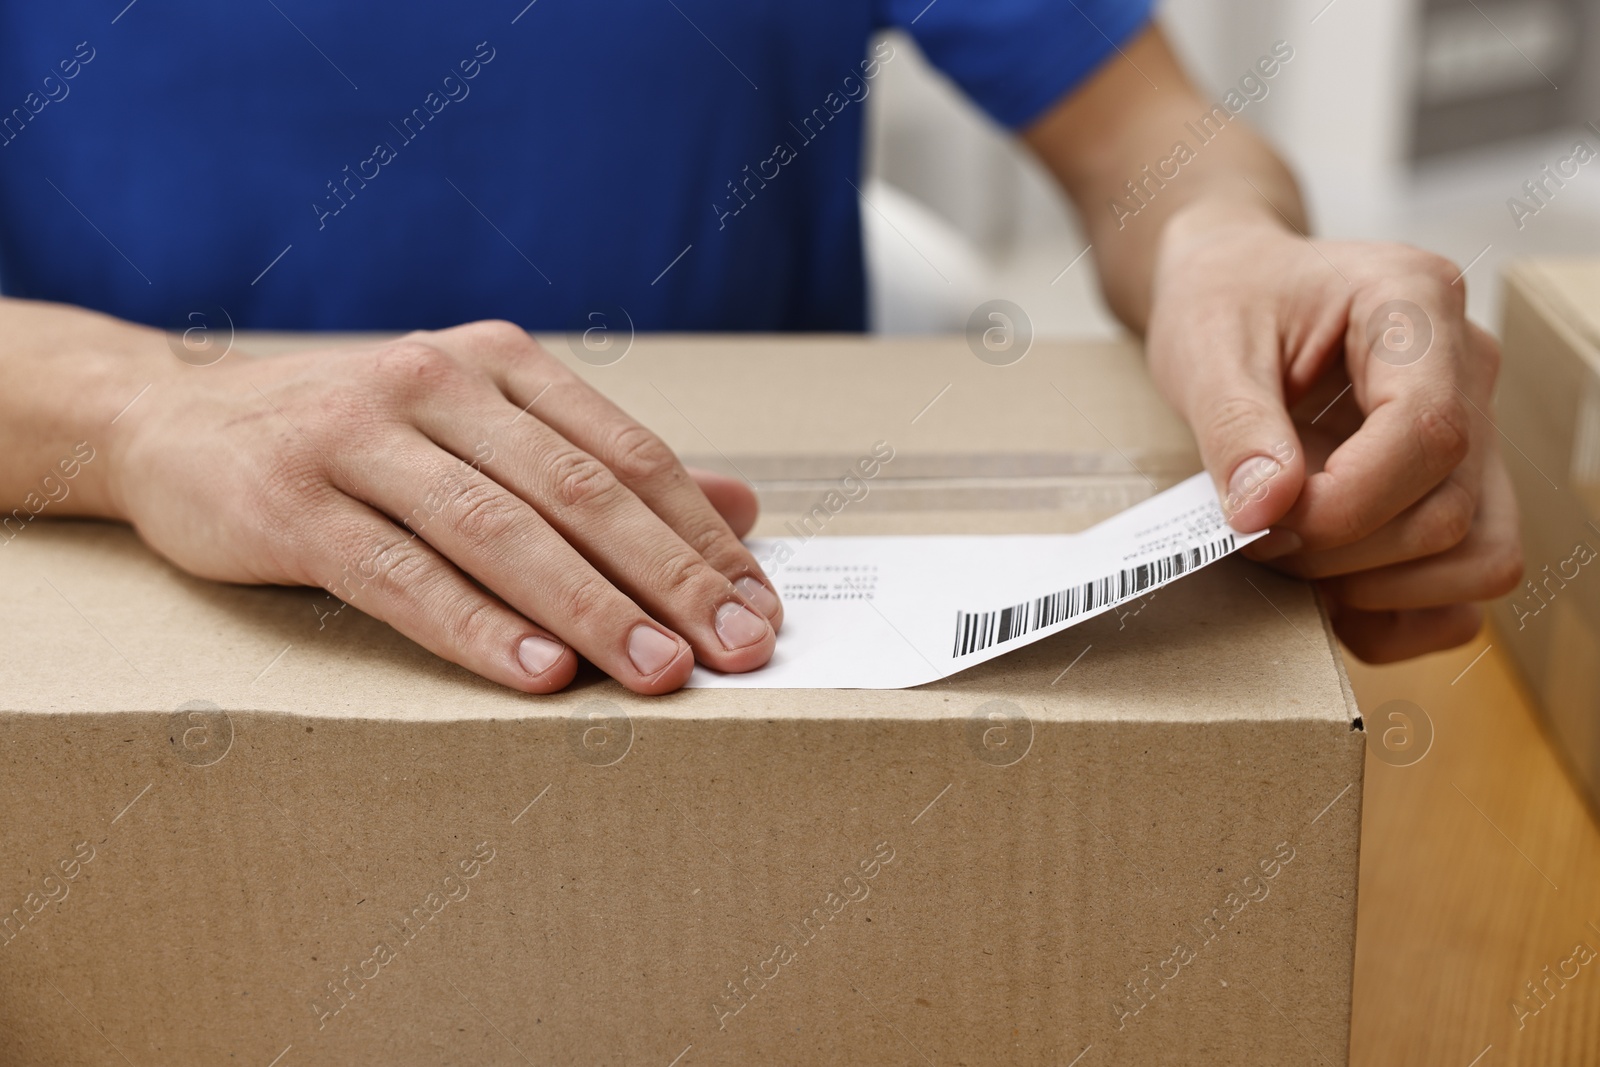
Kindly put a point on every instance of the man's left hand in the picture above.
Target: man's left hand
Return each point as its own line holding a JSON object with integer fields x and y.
{"x": 1341, "y": 397}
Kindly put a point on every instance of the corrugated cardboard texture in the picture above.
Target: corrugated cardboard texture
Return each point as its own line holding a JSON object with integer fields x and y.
{"x": 1568, "y": 285}
{"x": 1549, "y": 404}
{"x": 235, "y": 836}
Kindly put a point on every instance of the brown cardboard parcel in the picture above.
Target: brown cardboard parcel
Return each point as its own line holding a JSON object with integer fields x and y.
{"x": 1549, "y": 405}
{"x": 239, "y": 828}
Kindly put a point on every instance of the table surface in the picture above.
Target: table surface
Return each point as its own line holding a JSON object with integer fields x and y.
{"x": 1480, "y": 866}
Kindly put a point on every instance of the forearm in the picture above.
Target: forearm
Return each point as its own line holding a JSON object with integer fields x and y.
{"x": 1132, "y": 158}
{"x": 65, "y": 376}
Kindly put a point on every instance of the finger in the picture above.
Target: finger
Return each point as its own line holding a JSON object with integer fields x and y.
{"x": 365, "y": 560}
{"x": 1235, "y": 405}
{"x": 1485, "y": 565}
{"x": 497, "y": 538}
{"x": 542, "y": 509}
{"x": 1417, "y": 428}
{"x": 1437, "y": 523}
{"x": 540, "y": 385}
{"x": 455, "y": 404}
{"x": 644, "y": 464}
{"x": 1391, "y": 636}
{"x": 631, "y": 545}
{"x": 734, "y": 500}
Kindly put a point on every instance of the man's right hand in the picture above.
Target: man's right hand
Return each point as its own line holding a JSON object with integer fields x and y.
{"x": 463, "y": 486}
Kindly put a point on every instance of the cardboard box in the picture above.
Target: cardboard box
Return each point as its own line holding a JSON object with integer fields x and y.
{"x": 1549, "y": 411}
{"x": 234, "y": 837}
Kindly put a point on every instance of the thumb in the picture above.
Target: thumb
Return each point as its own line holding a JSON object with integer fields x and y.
{"x": 734, "y": 500}
{"x": 1247, "y": 440}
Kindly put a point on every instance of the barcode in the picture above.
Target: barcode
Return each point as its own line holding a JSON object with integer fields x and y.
{"x": 977, "y": 630}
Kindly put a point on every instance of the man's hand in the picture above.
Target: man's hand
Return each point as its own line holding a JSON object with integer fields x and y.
{"x": 466, "y": 488}
{"x": 1341, "y": 397}
{"x": 1338, "y": 392}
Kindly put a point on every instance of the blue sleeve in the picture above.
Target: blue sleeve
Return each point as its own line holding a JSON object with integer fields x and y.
{"x": 1015, "y": 58}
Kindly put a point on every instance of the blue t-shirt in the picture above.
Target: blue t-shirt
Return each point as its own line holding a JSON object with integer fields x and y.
{"x": 410, "y": 165}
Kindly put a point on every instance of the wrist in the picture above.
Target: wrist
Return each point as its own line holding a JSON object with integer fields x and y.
{"x": 1219, "y": 215}
{"x": 66, "y": 374}
{"x": 133, "y": 381}
{"x": 103, "y": 372}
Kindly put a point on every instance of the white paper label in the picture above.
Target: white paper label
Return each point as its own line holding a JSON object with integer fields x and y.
{"x": 893, "y": 612}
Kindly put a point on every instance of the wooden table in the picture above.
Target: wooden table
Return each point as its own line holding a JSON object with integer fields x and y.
{"x": 1480, "y": 866}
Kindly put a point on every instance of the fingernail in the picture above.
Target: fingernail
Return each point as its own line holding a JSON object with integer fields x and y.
{"x": 1275, "y": 545}
{"x": 764, "y": 599}
{"x": 739, "y": 627}
{"x": 539, "y": 654}
{"x": 650, "y": 649}
{"x": 1248, "y": 479}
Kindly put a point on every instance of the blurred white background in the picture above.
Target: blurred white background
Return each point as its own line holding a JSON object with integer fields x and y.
{"x": 1410, "y": 120}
